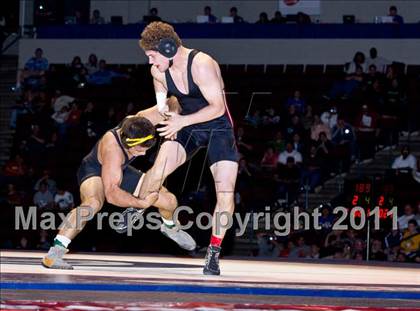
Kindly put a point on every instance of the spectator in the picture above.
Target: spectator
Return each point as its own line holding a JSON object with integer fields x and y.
{"x": 375, "y": 95}
{"x": 319, "y": 127}
{"x": 14, "y": 197}
{"x": 277, "y": 143}
{"x": 79, "y": 19}
{"x": 343, "y": 133}
{"x": 371, "y": 76}
{"x": 314, "y": 252}
{"x": 288, "y": 179}
{"x": 54, "y": 151}
{"x": 60, "y": 118}
{"x": 75, "y": 113}
{"x": 290, "y": 153}
{"x": 394, "y": 98}
{"x": 345, "y": 88}
{"x": 22, "y": 107}
{"x": 417, "y": 218}
{"x": 43, "y": 243}
{"x": 89, "y": 121}
{"x": 358, "y": 61}
{"x": 393, "y": 239}
{"x": 405, "y": 161}
{"x": 291, "y": 112}
{"x": 270, "y": 117}
{"x": 265, "y": 247}
{"x": 293, "y": 127}
{"x": 36, "y": 145}
{"x": 332, "y": 240}
{"x": 34, "y": 68}
{"x": 104, "y": 76}
{"x": 329, "y": 117}
{"x": 311, "y": 172}
{"x": 286, "y": 250}
{"x": 92, "y": 64}
{"x": 344, "y": 138}
{"x": 394, "y": 13}
{"x": 76, "y": 70}
{"x": 244, "y": 179}
{"x": 278, "y": 18}
{"x": 43, "y": 198}
{"x": 63, "y": 199}
{"x": 255, "y": 119}
{"x": 296, "y": 101}
{"x": 45, "y": 178}
{"x": 15, "y": 167}
{"x": 410, "y": 243}
{"x": 302, "y": 18}
{"x": 111, "y": 119}
{"x": 404, "y": 219}
{"x": 324, "y": 146}
{"x": 326, "y": 219}
{"x": 38, "y": 64}
{"x": 23, "y": 243}
{"x": 152, "y": 17}
{"x": 301, "y": 250}
{"x": 244, "y": 146}
{"x": 269, "y": 160}
{"x": 367, "y": 132}
{"x": 297, "y": 143}
{"x": 97, "y": 19}
{"x": 207, "y": 12}
{"x": 263, "y": 18}
{"x": 391, "y": 73}
{"x": 308, "y": 118}
{"x": 234, "y": 14}
{"x": 62, "y": 101}
{"x": 380, "y": 62}
{"x": 376, "y": 252}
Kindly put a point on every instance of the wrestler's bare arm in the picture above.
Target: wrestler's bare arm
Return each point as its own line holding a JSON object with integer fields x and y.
{"x": 153, "y": 113}
{"x": 112, "y": 159}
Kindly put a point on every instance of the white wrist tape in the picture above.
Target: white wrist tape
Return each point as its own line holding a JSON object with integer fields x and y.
{"x": 161, "y": 102}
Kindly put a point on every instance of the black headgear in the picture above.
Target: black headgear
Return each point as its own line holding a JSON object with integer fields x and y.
{"x": 167, "y": 47}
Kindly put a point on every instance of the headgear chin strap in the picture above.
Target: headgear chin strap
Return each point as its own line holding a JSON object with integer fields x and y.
{"x": 131, "y": 142}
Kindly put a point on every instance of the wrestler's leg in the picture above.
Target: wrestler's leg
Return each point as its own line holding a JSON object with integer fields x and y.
{"x": 171, "y": 155}
{"x": 92, "y": 196}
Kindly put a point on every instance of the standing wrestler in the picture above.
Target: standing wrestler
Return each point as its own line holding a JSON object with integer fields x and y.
{"x": 106, "y": 174}
{"x": 195, "y": 79}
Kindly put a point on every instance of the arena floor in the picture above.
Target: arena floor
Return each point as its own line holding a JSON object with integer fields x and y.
{"x": 118, "y": 282}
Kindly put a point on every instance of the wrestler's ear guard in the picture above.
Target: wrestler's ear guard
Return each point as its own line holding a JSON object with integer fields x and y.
{"x": 167, "y": 47}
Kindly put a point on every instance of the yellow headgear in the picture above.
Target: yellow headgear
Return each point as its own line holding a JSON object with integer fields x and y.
{"x": 131, "y": 142}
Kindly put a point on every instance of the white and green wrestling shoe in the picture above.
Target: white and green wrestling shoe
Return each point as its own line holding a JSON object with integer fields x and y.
{"x": 182, "y": 238}
{"x": 54, "y": 258}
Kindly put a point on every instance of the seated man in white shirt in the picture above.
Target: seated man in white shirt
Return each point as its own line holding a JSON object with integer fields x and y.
{"x": 404, "y": 219}
{"x": 380, "y": 62}
{"x": 64, "y": 199}
{"x": 405, "y": 160}
{"x": 290, "y": 152}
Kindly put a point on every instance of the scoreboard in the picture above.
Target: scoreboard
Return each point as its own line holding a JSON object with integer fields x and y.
{"x": 369, "y": 195}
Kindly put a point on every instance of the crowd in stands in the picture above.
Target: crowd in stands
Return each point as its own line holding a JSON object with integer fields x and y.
{"x": 264, "y": 18}
{"x": 400, "y": 245}
{"x": 286, "y": 147}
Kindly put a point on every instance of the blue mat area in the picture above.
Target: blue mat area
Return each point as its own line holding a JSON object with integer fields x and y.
{"x": 212, "y": 290}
